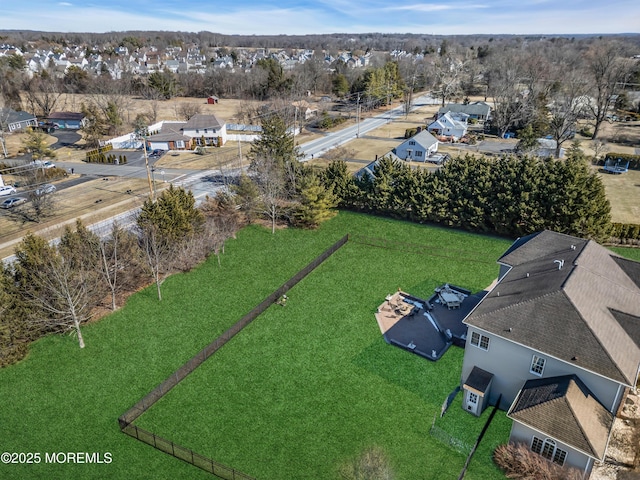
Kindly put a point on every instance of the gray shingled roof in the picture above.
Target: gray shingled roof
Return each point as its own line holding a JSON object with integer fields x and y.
{"x": 478, "y": 379}
{"x": 475, "y": 108}
{"x": 565, "y": 409}
{"x": 568, "y": 312}
{"x": 201, "y": 121}
{"x": 169, "y": 132}
{"x": 12, "y": 116}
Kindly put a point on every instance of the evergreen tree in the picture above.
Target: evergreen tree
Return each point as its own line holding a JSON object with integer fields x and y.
{"x": 316, "y": 203}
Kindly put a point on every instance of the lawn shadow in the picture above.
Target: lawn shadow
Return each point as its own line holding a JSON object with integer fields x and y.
{"x": 430, "y": 381}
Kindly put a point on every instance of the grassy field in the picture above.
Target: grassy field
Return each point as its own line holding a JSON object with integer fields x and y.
{"x": 252, "y": 405}
{"x": 623, "y": 192}
{"x": 309, "y": 386}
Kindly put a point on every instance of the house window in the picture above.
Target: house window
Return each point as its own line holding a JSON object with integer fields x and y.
{"x": 537, "y": 365}
{"x": 418, "y": 153}
{"x": 480, "y": 341}
{"x": 412, "y": 142}
{"x": 205, "y": 130}
{"x": 548, "y": 450}
{"x": 179, "y": 143}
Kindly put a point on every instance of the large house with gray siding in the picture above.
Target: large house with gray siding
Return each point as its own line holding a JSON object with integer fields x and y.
{"x": 557, "y": 339}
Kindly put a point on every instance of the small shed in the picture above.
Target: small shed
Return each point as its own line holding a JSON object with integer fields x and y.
{"x": 213, "y": 100}
{"x": 476, "y": 391}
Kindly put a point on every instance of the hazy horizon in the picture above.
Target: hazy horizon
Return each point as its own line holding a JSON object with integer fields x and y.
{"x": 285, "y": 17}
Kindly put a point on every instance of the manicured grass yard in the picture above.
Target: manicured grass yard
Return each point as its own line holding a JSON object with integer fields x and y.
{"x": 301, "y": 390}
{"x": 308, "y": 386}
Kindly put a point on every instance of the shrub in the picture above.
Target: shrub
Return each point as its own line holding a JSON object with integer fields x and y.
{"x": 517, "y": 461}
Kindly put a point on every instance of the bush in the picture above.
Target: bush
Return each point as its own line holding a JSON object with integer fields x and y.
{"x": 585, "y": 132}
{"x": 517, "y": 461}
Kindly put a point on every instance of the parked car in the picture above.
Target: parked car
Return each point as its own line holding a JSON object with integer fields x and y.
{"x": 7, "y": 190}
{"x": 156, "y": 154}
{"x": 12, "y": 202}
{"x": 43, "y": 164}
{"x": 45, "y": 189}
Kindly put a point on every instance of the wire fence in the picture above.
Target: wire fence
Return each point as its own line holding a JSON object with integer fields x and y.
{"x": 126, "y": 419}
{"x": 450, "y": 440}
{"x": 185, "y": 454}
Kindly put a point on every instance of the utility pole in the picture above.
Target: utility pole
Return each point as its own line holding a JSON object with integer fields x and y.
{"x": 358, "y": 115}
{"x": 146, "y": 164}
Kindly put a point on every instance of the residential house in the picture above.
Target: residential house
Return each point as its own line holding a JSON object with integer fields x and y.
{"x": 199, "y": 130}
{"x": 170, "y": 137}
{"x": 556, "y": 341}
{"x": 417, "y": 148}
{"x": 206, "y": 129}
{"x": 480, "y": 111}
{"x": 453, "y": 126}
{"x": 14, "y": 121}
{"x": 68, "y": 120}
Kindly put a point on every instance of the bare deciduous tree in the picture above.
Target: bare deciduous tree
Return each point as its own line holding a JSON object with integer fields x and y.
{"x": 606, "y": 69}
{"x": 120, "y": 261}
{"x": 186, "y": 110}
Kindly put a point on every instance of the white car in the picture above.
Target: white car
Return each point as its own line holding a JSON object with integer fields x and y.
{"x": 45, "y": 189}
{"x": 7, "y": 190}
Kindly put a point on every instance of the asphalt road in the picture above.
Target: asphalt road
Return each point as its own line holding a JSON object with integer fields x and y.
{"x": 335, "y": 139}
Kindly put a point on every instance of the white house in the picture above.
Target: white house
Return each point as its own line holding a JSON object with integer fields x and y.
{"x": 417, "y": 148}
{"x": 449, "y": 125}
{"x": 206, "y": 129}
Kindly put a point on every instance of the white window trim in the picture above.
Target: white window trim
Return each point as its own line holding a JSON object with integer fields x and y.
{"x": 479, "y": 341}
{"x": 537, "y": 362}
{"x": 556, "y": 453}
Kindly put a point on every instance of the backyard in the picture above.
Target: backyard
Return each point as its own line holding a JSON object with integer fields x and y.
{"x": 299, "y": 392}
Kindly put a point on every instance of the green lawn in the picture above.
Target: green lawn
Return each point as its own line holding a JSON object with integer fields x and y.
{"x": 302, "y": 389}
{"x": 306, "y": 387}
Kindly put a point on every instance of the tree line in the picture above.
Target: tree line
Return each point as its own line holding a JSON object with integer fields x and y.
{"x": 58, "y": 288}
{"x": 508, "y": 196}
{"x": 547, "y": 84}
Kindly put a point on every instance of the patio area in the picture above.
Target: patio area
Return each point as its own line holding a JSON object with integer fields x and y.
{"x": 427, "y": 327}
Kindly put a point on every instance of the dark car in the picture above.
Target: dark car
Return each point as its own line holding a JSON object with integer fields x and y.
{"x": 156, "y": 154}
{"x": 12, "y": 202}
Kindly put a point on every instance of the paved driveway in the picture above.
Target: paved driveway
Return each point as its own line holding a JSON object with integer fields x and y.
{"x": 66, "y": 138}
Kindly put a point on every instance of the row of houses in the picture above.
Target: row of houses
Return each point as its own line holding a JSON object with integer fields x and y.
{"x": 142, "y": 61}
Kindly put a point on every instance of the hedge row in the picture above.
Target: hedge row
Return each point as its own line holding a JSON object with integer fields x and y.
{"x": 625, "y": 233}
{"x": 92, "y": 155}
{"x": 102, "y": 158}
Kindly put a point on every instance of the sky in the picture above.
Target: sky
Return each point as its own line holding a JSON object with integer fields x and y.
{"x": 288, "y": 17}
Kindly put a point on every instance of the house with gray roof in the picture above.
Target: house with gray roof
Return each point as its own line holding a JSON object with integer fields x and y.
{"x": 199, "y": 130}
{"x": 557, "y": 340}
{"x": 417, "y": 148}
{"x": 206, "y": 129}
{"x": 450, "y": 125}
{"x": 477, "y": 110}
{"x": 14, "y": 121}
